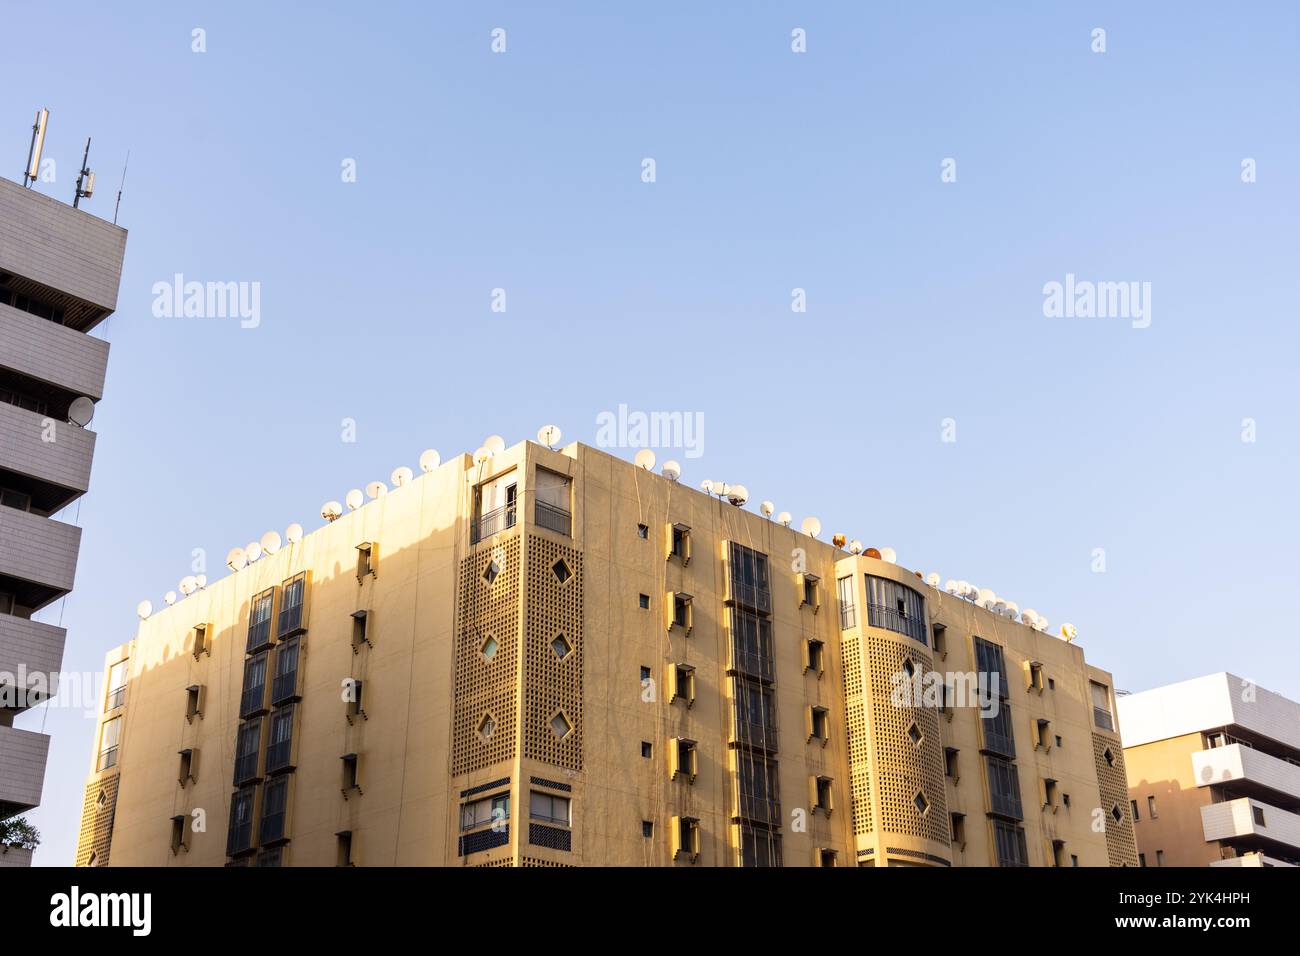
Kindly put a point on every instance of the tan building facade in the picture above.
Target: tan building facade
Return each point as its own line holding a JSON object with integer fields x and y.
{"x": 552, "y": 657}
{"x": 1214, "y": 773}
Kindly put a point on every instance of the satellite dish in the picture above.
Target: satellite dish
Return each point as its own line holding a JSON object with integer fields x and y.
{"x": 811, "y": 527}
{"x": 855, "y": 546}
{"x": 331, "y": 510}
{"x": 738, "y": 495}
{"x": 1012, "y": 610}
{"x": 482, "y": 455}
{"x": 354, "y": 499}
{"x": 236, "y": 559}
{"x": 549, "y": 435}
{"x": 1041, "y": 623}
{"x": 81, "y": 411}
{"x": 951, "y": 587}
{"x": 170, "y": 598}
{"x": 706, "y": 486}
{"x": 188, "y": 585}
{"x": 785, "y": 518}
{"x": 672, "y": 471}
{"x": 933, "y": 579}
{"x": 999, "y": 607}
{"x": 887, "y": 554}
{"x": 720, "y": 488}
{"x": 293, "y": 533}
{"x": 1069, "y": 632}
{"x": 429, "y": 460}
{"x": 1028, "y": 616}
{"x": 645, "y": 458}
{"x": 376, "y": 489}
{"x": 985, "y": 597}
{"x": 143, "y": 610}
{"x": 767, "y": 508}
{"x": 401, "y": 476}
{"x": 271, "y": 542}
{"x": 839, "y": 540}
{"x": 254, "y": 550}
{"x": 201, "y": 581}
{"x": 873, "y": 553}
{"x": 495, "y": 444}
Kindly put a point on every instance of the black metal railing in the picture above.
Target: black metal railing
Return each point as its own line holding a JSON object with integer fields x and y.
{"x": 1101, "y": 717}
{"x": 259, "y": 635}
{"x": 553, "y": 518}
{"x": 1006, "y": 804}
{"x": 753, "y": 665}
{"x": 285, "y": 687}
{"x": 752, "y": 596}
{"x": 253, "y": 700}
{"x": 278, "y": 754}
{"x": 755, "y": 733}
{"x": 997, "y": 742}
{"x": 245, "y": 768}
{"x": 494, "y": 522}
{"x": 272, "y": 827}
{"x": 291, "y": 618}
{"x": 758, "y": 809}
{"x": 892, "y": 619}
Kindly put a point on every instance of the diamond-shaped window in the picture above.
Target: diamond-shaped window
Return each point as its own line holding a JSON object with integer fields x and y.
{"x": 101, "y": 799}
{"x": 561, "y": 646}
{"x": 1117, "y": 813}
{"x": 1110, "y": 757}
{"x": 489, "y": 648}
{"x": 560, "y": 725}
{"x": 486, "y": 726}
{"x": 909, "y": 668}
{"x": 491, "y": 571}
{"x": 914, "y": 734}
{"x": 561, "y": 571}
{"x": 922, "y": 804}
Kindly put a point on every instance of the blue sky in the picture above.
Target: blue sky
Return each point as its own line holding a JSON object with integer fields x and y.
{"x": 775, "y": 171}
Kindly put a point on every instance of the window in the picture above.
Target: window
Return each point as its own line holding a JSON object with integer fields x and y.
{"x": 751, "y": 644}
{"x": 644, "y": 601}
{"x": 1101, "y": 712}
{"x": 759, "y": 846}
{"x": 360, "y": 630}
{"x": 896, "y": 607}
{"x": 1009, "y": 839}
{"x": 758, "y": 783}
{"x": 825, "y": 858}
{"x": 253, "y": 699}
{"x": 748, "y": 579}
{"x": 1004, "y": 788}
{"x": 7, "y": 602}
{"x": 819, "y": 724}
{"x": 821, "y": 795}
{"x": 814, "y": 657}
{"x": 811, "y": 592}
{"x": 354, "y": 688}
{"x": 201, "y": 641}
{"x": 259, "y": 622}
{"x": 1042, "y": 734}
{"x": 645, "y": 676}
{"x": 193, "y": 702}
{"x": 18, "y": 500}
{"x": 285, "y": 688}
{"x": 248, "y": 744}
{"x": 1049, "y": 794}
{"x": 189, "y": 762}
{"x": 292, "y": 598}
{"x": 991, "y": 668}
{"x": 940, "y": 637}
{"x": 679, "y": 543}
{"x": 997, "y": 733}
{"x": 1058, "y": 853}
{"x": 950, "y": 762}
{"x": 116, "y": 686}
{"x": 682, "y": 686}
{"x": 239, "y": 837}
{"x": 178, "y": 834}
{"x": 755, "y": 714}
{"x": 279, "y": 748}
{"x": 643, "y": 531}
{"x": 350, "y": 779}
{"x": 552, "y": 501}
{"x": 680, "y": 602}
{"x": 686, "y": 838}
{"x": 957, "y": 824}
{"x": 1151, "y": 808}
{"x": 366, "y": 559}
{"x": 488, "y": 811}
{"x": 1057, "y": 738}
{"x": 1257, "y": 814}
{"x": 273, "y": 856}
{"x": 548, "y": 808}
{"x": 486, "y": 726}
{"x": 683, "y": 759}
{"x": 1142, "y": 859}
{"x": 1035, "y": 674}
{"x": 1160, "y": 857}
{"x": 1133, "y": 805}
{"x": 647, "y": 829}
{"x": 344, "y": 848}
{"x": 275, "y": 807}
{"x": 848, "y": 608}
{"x": 1074, "y": 860}
{"x": 647, "y": 749}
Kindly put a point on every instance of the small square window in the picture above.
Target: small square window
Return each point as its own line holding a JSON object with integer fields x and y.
{"x": 645, "y": 674}
{"x": 644, "y": 601}
{"x": 643, "y": 531}
{"x": 950, "y": 762}
{"x": 647, "y": 829}
{"x": 815, "y": 659}
{"x": 1257, "y": 813}
{"x": 1058, "y": 740}
{"x": 647, "y": 749}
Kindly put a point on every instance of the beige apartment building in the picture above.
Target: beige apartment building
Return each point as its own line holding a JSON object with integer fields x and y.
{"x": 552, "y": 657}
{"x": 1214, "y": 773}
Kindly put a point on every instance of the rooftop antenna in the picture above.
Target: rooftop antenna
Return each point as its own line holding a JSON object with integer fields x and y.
{"x": 85, "y": 179}
{"x": 38, "y": 144}
{"x": 120, "y": 186}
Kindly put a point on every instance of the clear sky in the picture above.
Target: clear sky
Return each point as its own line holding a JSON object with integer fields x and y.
{"x": 774, "y": 171}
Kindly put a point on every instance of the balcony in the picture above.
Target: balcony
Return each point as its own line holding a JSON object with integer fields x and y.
{"x": 750, "y": 664}
{"x": 22, "y": 769}
{"x": 54, "y": 472}
{"x": 1252, "y": 860}
{"x": 757, "y": 734}
{"x": 15, "y": 856}
{"x": 757, "y": 809}
{"x": 48, "y": 352}
{"x": 750, "y": 596}
{"x": 1103, "y": 719}
{"x": 38, "y": 649}
{"x": 1252, "y": 822}
{"x": 40, "y": 553}
{"x": 892, "y": 619}
{"x": 553, "y": 518}
{"x": 493, "y": 522}
{"x": 1249, "y": 772}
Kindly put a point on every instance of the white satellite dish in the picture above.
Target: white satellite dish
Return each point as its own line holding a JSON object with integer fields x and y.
{"x": 482, "y": 455}
{"x": 720, "y": 488}
{"x": 81, "y": 411}
{"x": 201, "y": 581}
{"x": 672, "y": 471}
{"x": 785, "y": 518}
{"x": 549, "y": 435}
{"x": 170, "y": 597}
{"x": 999, "y": 607}
{"x": 952, "y": 587}
{"x": 985, "y": 597}
{"x": 293, "y": 533}
{"x": 495, "y": 444}
{"x": 254, "y": 550}
{"x": 271, "y": 542}
{"x": 933, "y": 579}
{"x": 706, "y": 486}
{"x": 855, "y": 546}
{"x": 331, "y": 510}
{"x": 429, "y": 460}
{"x": 738, "y": 495}
{"x": 887, "y": 554}
{"x": 1028, "y": 616}
{"x": 401, "y": 476}
{"x": 236, "y": 559}
{"x": 767, "y": 508}
{"x": 376, "y": 489}
{"x": 1069, "y": 632}
{"x": 188, "y": 585}
{"x": 645, "y": 458}
{"x": 1041, "y": 623}
{"x": 143, "y": 610}
{"x": 354, "y": 499}
{"x": 811, "y": 527}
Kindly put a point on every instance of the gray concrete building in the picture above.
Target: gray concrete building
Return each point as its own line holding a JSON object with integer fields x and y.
{"x": 59, "y": 274}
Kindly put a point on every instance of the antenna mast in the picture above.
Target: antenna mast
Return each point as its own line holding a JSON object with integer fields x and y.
{"x": 121, "y": 186}
{"x": 38, "y": 144}
{"x": 86, "y": 177}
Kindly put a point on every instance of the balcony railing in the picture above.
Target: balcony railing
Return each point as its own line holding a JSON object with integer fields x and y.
{"x": 245, "y": 768}
{"x": 752, "y": 665}
{"x": 751, "y": 596}
{"x": 285, "y": 687}
{"x": 107, "y": 758}
{"x": 1102, "y": 718}
{"x": 259, "y": 635}
{"x": 277, "y": 755}
{"x": 758, "y": 809}
{"x": 1006, "y": 804}
{"x": 116, "y": 698}
{"x": 494, "y": 522}
{"x": 755, "y": 733}
{"x": 553, "y": 518}
{"x": 253, "y": 700}
{"x": 290, "y": 619}
{"x": 272, "y": 828}
{"x": 891, "y": 619}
